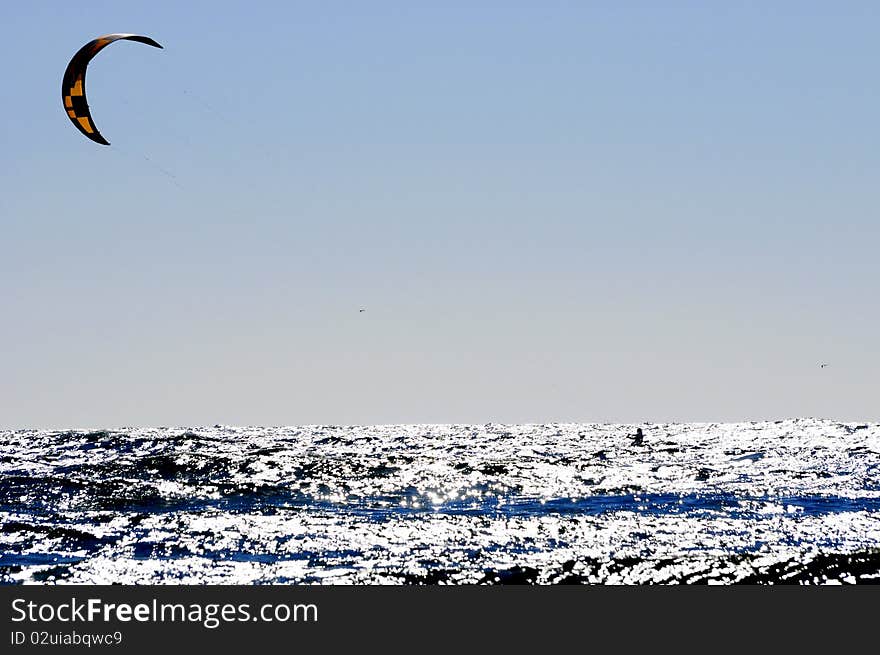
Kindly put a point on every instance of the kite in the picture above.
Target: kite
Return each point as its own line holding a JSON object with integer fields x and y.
{"x": 73, "y": 86}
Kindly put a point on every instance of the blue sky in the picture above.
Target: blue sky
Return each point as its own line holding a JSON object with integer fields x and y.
{"x": 555, "y": 211}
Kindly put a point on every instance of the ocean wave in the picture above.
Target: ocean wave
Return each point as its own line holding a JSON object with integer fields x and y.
{"x": 775, "y": 502}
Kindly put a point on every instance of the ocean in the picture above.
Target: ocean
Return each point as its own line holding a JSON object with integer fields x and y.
{"x": 787, "y": 502}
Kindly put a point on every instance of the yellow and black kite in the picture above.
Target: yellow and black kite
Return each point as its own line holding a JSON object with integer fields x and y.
{"x": 73, "y": 86}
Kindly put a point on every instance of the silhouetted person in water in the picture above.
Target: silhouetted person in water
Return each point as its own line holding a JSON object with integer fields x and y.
{"x": 639, "y": 438}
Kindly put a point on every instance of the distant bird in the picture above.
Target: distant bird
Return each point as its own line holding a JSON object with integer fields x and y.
{"x": 361, "y": 311}
{"x": 822, "y": 365}
{"x": 639, "y": 438}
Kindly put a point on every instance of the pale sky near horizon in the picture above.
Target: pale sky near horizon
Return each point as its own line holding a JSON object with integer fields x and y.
{"x": 550, "y": 211}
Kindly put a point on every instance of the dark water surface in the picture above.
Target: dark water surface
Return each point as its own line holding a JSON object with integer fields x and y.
{"x": 778, "y": 502}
